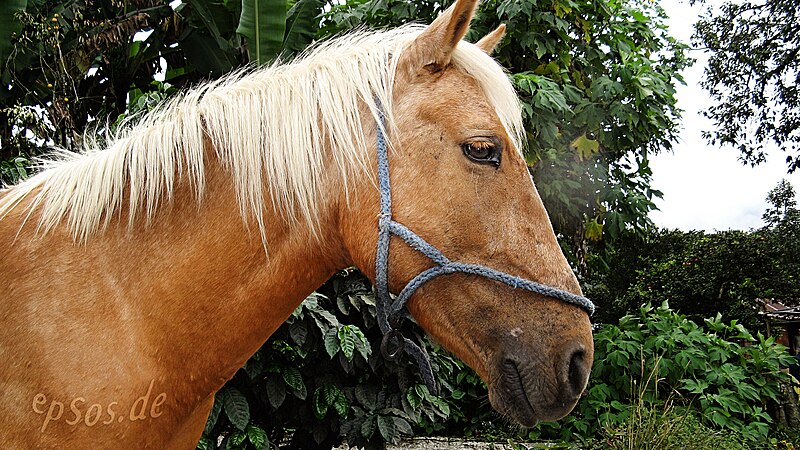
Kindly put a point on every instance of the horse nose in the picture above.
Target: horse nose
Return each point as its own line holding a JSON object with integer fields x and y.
{"x": 574, "y": 371}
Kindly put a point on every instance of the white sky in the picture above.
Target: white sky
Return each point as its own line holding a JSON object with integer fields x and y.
{"x": 707, "y": 188}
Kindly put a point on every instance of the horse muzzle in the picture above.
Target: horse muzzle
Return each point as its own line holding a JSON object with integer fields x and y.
{"x": 530, "y": 388}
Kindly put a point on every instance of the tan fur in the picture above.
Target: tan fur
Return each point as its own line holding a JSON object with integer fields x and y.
{"x": 490, "y": 41}
{"x": 101, "y": 307}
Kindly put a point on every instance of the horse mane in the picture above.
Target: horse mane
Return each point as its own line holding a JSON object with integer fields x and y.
{"x": 268, "y": 127}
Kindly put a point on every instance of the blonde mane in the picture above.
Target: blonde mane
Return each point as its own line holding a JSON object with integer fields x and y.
{"x": 269, "y": 127}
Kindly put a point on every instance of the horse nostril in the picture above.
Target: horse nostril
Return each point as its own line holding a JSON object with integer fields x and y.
{"x": 577, "y": 372}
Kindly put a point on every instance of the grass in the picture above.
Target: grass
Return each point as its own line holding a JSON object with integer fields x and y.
{"x": 660, "y": 425}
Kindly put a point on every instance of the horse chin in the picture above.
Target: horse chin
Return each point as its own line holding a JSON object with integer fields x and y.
{"x": 516, "y": 394}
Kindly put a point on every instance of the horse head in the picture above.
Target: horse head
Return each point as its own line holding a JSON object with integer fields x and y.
{"x": 459, "y": 180}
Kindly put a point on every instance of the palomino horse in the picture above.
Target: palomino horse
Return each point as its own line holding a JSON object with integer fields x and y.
{"x": 126, "y": 272}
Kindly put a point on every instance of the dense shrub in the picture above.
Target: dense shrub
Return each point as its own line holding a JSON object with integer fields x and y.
{"x": 321, "y": 379}
{"x": 700, "y": 273}
{"x": 723, "y": 373}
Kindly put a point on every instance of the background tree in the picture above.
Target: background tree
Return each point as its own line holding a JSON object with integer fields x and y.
{"x": 700, "y": 273}
{"x": 783, "y": 234}
{"x": 73, "y": 65}
{"x": 782, "y": 204}
{"x": 752, "y": 76}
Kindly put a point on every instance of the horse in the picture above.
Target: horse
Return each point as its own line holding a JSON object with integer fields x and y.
{"x": 126, "y": 271}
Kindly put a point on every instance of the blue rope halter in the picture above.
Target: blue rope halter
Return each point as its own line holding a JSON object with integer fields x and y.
{"x": 389, "y": 311}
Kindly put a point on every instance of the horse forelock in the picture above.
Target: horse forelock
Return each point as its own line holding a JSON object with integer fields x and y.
{"x": 269, "y": 127}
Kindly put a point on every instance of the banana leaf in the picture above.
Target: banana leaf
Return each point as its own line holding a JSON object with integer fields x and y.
{"x": 263, "y": 24}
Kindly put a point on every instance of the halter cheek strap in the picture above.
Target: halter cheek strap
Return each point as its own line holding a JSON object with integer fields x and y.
{"x": 390, "y": 310}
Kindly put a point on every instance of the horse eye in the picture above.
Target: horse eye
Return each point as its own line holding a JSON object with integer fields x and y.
{"x": 484, "y": 152}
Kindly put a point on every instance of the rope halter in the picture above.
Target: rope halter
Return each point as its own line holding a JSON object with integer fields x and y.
{"x": 389, "y": 310}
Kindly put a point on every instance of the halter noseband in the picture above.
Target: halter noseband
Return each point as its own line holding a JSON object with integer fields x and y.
{"x": 389, "y": 310}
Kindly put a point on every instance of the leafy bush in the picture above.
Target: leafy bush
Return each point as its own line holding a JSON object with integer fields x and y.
{"x": 700, "y": 273}
{"x": 321, "y": 378}
{"x": 13, "y": 170}
{"x": 660, "y": 424}
{"x": 723, "y": 373}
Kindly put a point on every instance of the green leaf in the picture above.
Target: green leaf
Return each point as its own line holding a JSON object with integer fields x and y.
{"x": 368, "y": 427}
{"x": 321, "y": 316}
{"x": 347, "y": 341}
{"x": 276, "y": 391}
{"x": 302, "y": 24}
{"x": 387, "y": 428}
{"x": 330, "y": 392}
{"x": 204, "y": 54}
{"x": 367, "y": 396}
{"x": 441, "y": 405}
{"x": 294, "y": 379}
{"x": 331, "y": 342}
{"x": 236, "y": 439}
{"x": 263, "y": 23}
{"x": 299, "y": 333}
{"x": 402, "y": 426}
{"x": 585, "y": 147}
{"x": 257, "y": 436}
{"x": 253, "y": 367}
{"x": 341, "y": 405}
{"x": 236, "y": 407}
{"x": 204, "y": 444}
{"x": 343, "y": 304}
{"x": 716, "y": 415}
{"x": 362, "y": 345}
{"x": 10, "y": 25}
{"x": 639, "y": 16}
{"x": 318, "y": 403}
{"x": 413, "y": 399}
{"x": 593, "y": 230}
{"x": 201, "y": 8}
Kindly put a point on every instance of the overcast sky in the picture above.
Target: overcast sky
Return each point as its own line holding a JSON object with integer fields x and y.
{"x": 707, "y": 188}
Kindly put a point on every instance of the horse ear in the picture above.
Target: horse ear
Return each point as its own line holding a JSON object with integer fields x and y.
{"x": 490, "y": 41}
{"x": 433, "y": 48}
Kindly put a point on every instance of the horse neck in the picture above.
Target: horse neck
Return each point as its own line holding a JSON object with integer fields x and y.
{"x": 228, "y": 293}
{"x": 195, "y": 292}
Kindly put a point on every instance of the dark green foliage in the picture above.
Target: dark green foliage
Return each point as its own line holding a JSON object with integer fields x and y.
{"x": 752, "y": 76}
{"x": 725, "y": 376}
{"x": 783, "y": 205}
{"x": 699, "y": 273}
{"x": 720, "y": 374}
{"x": 703, "y": 273}
{"x": 73, "y": 67}
{"x": 14, "y": 169}
{"x": 321, "y": 379}
{"x": 597, "y": 81}
{"x": 302, "y": 23}
{"x": 263, "y": 22}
